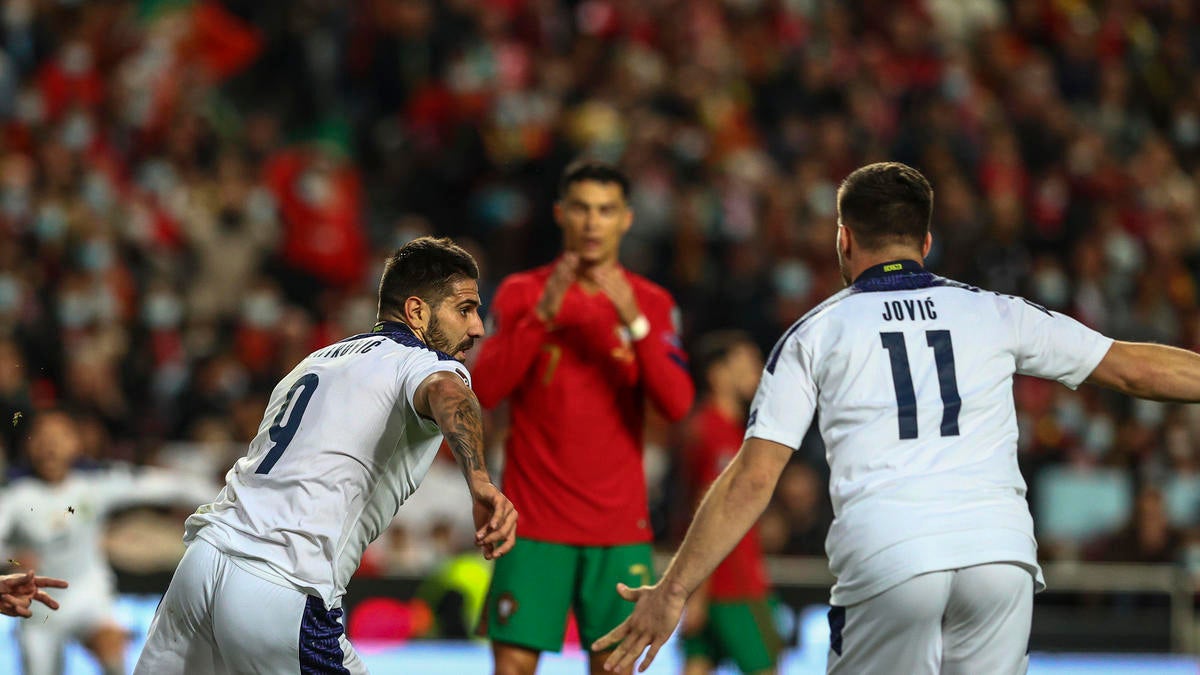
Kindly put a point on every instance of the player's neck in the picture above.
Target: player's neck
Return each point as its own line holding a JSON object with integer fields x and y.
{"x": 587, "y": 268}
{"x": 870, "y": 259}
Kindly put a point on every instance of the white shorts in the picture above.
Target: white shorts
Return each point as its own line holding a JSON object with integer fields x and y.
{"x": 42, "y": 638}
{"x": 218, "y": 618}
{"x": 966, "y": 621}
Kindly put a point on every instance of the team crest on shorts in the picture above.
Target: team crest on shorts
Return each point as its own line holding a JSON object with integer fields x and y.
{"x": 506, "y": 606}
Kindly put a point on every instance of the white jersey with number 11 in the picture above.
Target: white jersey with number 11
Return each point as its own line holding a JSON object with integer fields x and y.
{"x": 912, "y": 377}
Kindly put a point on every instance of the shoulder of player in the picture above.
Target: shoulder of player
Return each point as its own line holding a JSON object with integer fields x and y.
{"x": 525, "y": 285}
{"x": 823, "y": 310}
{"x": 535, "y": 277}
{"x": 806, "y": 323}
{"x": 646, "y": 289}
{"x": 1002, "y": 300}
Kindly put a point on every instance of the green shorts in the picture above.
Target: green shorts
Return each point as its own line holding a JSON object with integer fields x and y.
{"x": 743, "y": 632}
{"x": 537, "y": 582}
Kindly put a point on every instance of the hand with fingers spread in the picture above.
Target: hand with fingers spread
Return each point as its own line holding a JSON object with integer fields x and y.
{"x": 495, "y": 522}
{"x": 653, "y": 620}
{"x": 18, "y": 591}
{"x": 556, "y": 287}
{"x": 613, "y": 283}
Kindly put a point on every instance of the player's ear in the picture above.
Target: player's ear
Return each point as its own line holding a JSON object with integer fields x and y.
{"x": 416, "y": 313}
{"x": 927, "y": 245}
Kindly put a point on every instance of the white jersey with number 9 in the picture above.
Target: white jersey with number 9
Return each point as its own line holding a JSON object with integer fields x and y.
{"x": 338, "y": 451}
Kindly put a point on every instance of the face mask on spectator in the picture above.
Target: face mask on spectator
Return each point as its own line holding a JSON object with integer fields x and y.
{"x": 10, "y": 293}
{"x": 76, "y": 58}
{"x": 261, "y": 310}
{"x": 75, "y": 310}
{"x": 315, "y": 188}
{"x": 1187, "y": 129}
{"x": 1099, "y": 436}
{"x": 162, "y": 311}
{"x": 51, "y": 223}
{"x": 76, "y": 131}
{"x": 1071, "y": 415}
{"x": 792, "y": 279}
{"x": 1051, "y": 287}
{"x": 97, "y": 192}
{"x": 15, "y": 203}
{"x": 95, "y": 255}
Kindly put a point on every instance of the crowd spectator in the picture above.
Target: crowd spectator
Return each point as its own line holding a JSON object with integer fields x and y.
{"x": 193, "y": 193}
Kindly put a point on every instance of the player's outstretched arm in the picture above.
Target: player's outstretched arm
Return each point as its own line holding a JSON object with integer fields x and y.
{"x": 18, "y": 591}
{"x": 732, "y": 505}
{"x": 446, "y": 399}
{"x": 1145, "y": 370}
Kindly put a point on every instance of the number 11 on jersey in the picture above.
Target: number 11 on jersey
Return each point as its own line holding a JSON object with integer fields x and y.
{"x": 906, "y": 397}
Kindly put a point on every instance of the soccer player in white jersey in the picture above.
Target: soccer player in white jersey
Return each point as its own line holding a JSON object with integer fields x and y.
{"x": 932, "y": 543}
{"x": 54, "y": 520}
{"x": 346, "y": 438}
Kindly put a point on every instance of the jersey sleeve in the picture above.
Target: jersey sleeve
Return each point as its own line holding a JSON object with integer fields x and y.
{"x": 1054, "y": 346}
{"x": 786, "y": 399}
{"x": 662, "y": 361}
{"x": 421, "y": 366}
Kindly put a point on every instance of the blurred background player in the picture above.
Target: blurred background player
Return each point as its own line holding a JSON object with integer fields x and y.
{"x": 53, "y": 520}
{"x": 580, "y": 346}
{"x": 729, "y": 616}
{"x": 346, "y": 437}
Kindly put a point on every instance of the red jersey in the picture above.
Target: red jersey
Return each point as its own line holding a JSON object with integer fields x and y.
{"x": 577, "y": 394}
{"x": 712, "y": 441}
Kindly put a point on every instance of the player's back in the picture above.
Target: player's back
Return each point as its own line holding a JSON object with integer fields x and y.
{"x": 338, "y": 451}
{"x": 912, "y": 377}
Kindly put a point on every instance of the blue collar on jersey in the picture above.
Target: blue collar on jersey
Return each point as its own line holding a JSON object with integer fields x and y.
{"x": 897, "y": 275}
{"x": 401, "y": 333}
{"x": 392, "y": 327}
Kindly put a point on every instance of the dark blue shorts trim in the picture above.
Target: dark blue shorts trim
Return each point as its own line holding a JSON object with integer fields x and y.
{"x": 320, "y": 651}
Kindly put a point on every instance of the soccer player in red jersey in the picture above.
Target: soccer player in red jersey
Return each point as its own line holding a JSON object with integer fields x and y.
{"x": 578, "y": 347}
{"x": 729, "y": 617}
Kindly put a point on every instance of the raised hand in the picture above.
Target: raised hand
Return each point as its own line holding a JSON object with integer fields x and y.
{"x": 495, "y": 522}
{"x": 560, "y": 280}
{"x": 18, "y": 591}
{"x": 653, "y": 620}
{"x": 612, "y": 282}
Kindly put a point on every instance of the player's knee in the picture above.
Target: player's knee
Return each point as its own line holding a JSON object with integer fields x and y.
{"x": 514, "y": 660}
{"x": 108, "y": 644}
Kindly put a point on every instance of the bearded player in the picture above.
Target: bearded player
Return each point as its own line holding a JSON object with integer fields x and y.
{"x": 346, "y": 438}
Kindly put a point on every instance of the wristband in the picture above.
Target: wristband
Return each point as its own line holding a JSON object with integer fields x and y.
{"x": 639, "y": 328}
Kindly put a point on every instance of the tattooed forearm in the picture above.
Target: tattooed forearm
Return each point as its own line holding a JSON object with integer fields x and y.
{"x": 457, "y": 413}
{"x": 466, "y": 439}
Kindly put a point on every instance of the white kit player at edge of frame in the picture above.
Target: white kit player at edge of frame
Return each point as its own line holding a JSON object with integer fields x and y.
{"x": 346, "y": 438}
{"x": 54, "y": 519}
{"x": 932, "y": 543}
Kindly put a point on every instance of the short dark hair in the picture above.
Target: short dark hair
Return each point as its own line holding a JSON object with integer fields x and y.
{"x": 593, "y": 170}
{"x": 425, "y": 267}
{"x": 711, "y": 349}
{"x": 886, "y": 203}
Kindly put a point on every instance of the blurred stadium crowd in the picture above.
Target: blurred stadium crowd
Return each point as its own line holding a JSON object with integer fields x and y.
{"x": 194, "y": 195}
